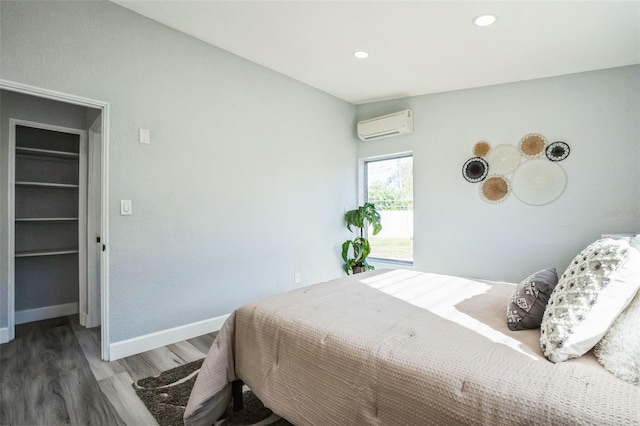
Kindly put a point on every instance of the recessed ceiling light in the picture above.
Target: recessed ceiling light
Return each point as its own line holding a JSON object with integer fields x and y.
{"x": 360, "y": 54}
{"x": 484, "y": 20}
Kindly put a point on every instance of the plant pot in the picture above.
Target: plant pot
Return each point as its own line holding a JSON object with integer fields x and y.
{"x": 358, "y": 269}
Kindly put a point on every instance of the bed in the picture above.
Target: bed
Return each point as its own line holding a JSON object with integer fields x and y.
{"x": 393, "y": 347}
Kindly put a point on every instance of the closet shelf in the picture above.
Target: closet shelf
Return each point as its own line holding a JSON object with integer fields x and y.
{"x": 46, "y": 152}
{"x": 47, "y": 185}
{"x": 50, "y": 214}
{"x": 46, "y": 219}
{"x": 55, "y": 252}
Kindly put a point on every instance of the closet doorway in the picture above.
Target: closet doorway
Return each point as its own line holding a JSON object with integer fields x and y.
{"x": 57, "y": 226}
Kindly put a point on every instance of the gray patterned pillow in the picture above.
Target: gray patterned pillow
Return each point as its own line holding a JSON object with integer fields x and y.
{"x": 529, "y": 300}
{"x": 598, "y": 284}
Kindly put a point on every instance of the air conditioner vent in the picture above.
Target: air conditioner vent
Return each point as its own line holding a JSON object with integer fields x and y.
{"x": 398, "y": 123}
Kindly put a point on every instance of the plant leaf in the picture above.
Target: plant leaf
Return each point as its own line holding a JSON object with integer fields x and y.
{"x": 345, "y": 249}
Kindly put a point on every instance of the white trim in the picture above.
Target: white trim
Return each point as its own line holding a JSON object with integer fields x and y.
{"x": 158, "y": 339}
{"x": 104, "y": 235}
{"x": 39, "y": 314}
{"x": 4, "y": 335}
{"x": 11, "y": 315}
{"x": 47, "y": 126}
{"x": 104, "y": 264}
{"x": 50, "y": 94}
{"x": 82, "y": 228}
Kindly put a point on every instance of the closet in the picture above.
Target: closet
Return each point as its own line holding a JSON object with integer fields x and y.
{"x": 49, "y": 218}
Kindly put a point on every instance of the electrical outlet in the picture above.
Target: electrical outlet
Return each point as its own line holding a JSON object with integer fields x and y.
{"x": 296, "y": 278}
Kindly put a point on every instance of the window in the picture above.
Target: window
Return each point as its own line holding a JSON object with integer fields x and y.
{"x": 389, "y": 185}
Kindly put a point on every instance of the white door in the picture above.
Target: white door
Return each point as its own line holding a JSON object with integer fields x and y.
{"x": 94, "y": 239}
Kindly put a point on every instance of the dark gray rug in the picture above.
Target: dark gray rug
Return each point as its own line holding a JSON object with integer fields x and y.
{"x": 166, "y": 396}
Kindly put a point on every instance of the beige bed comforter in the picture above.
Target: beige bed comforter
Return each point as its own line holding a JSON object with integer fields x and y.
{"x": 397, "y": 347}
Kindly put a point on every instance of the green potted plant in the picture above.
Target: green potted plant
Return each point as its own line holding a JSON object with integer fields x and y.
{"x": 362, "y": 217}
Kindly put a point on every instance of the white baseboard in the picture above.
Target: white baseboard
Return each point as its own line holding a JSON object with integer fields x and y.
{"x": 158, "y": 339}
{"x": 39, "y": 314}
{"x": 4, "y": 334}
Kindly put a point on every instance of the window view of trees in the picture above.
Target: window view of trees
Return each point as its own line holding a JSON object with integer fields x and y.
{"x": 390, "y": 187}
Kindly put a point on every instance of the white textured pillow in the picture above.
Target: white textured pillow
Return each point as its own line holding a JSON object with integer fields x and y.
{"x": 619, "y": 349}
{"x": 596, "y": 287}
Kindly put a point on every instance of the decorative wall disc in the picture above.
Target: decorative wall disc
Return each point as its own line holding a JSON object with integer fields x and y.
{"x": 557, "y": 151}
{"x": 532, "y": 145}
{"x": 539, "y": 182}
{"x": 475, "y": 169}
{"x": 503, "y": 159}
{"x": 495, "y": 189}
{"x": 481, "y": 149}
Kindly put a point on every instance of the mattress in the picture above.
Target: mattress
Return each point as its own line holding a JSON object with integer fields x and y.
{"x": 399, "y": 347}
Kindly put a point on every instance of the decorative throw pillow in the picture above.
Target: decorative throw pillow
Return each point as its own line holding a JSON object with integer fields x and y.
{"x": 529, "y": 299}
{"x": 596, "y": 287}
{"x": 619, "y": 349}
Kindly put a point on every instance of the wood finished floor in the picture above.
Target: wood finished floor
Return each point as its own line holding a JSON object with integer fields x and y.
{"x": 51, "y": 374}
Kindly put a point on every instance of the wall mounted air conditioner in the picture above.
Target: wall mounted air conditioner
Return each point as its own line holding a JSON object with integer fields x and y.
{"x": 398, "y": 123}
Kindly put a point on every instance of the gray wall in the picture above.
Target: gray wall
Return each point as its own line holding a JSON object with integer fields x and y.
{"x": 244, "y": 182}
{"x": 15, "y": 105}
{"x": 596, "y": 113}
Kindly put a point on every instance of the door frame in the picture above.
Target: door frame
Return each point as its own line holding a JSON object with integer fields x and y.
{"x": 104, "y": 207}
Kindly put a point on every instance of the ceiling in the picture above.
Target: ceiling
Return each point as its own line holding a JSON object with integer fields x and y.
{"x": 415, "y": 47}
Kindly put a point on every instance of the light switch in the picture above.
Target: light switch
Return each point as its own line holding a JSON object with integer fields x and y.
{"x": 125, "y": 207}
{"x": 145, "y": 136}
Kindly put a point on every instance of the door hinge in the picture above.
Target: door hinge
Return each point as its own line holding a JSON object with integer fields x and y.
{"x": 97, "y": 239}
{"x": 104, "y": 247}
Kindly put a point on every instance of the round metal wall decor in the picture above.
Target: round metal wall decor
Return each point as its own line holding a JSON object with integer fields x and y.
{"x": 475, "y": 169}
{"x": 532, "y": 145}
{"x": 481, "y": 149}
{"x": 503, "y": 159}
{"x": 557, "y": 151}
{"x": 538, "y": 182}
{"x": 495, "y": 189}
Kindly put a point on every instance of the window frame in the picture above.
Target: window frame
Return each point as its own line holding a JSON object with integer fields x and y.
{"x": 364, "y": 191}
